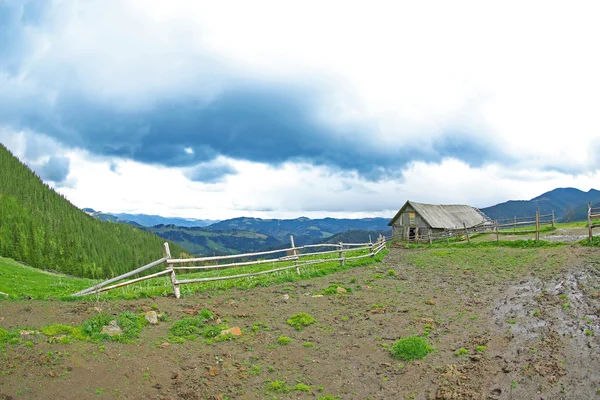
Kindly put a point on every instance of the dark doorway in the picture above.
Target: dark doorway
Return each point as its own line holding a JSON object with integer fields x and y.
{"x": 411, "y": 233}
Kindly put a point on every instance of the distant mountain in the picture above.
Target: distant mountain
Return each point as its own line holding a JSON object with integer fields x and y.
{"x": 567, "y": 203}
{"x": 304, "y": 230}
{"x": 153, "y": 220}
{"x": 149, "y": 220}
{"x": 41, "y": 228}
{"x": 241, "y": 235}
{"x": 201, "y": 241}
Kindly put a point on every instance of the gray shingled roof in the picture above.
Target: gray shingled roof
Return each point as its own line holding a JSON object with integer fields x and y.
{"x": 445, "y": 216}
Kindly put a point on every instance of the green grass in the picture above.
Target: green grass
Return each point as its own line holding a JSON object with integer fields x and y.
{"x": 279, "y": 386}
{"x": 519, "y": 244}
{"x": 284, "y": 340}
{"x": 489, "y": 262}
{"x": 461, "y": 351}
{"x": 594, "y": 243}
{"x": 411, "y": 348}
{"x": 301, "y": 320}
{"x": 20, "y": 281}
{"x": 332, "y": 290}
{"x": 192, "y": 328}
{"x": 130, "y": 323}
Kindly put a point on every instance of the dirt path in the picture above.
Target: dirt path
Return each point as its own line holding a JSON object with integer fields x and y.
{"x": 531, "y": 337}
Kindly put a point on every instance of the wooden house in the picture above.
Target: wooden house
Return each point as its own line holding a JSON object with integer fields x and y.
{"x": 418, "y": 220}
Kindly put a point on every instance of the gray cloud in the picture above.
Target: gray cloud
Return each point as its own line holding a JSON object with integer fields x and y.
{"x": 264, "y": 124}
{"x": 254, "y": 121}
{"x": 211, "y": 172}
{"x": 56, "y": 169}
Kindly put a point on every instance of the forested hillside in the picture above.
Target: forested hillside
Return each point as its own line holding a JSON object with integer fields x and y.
{"x": 41, "y": 228}
{"x": 199, "y": 240}
{"x": 304, "y": 230}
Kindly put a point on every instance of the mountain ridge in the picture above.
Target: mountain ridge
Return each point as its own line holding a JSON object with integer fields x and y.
{"x": 568, "y": 204}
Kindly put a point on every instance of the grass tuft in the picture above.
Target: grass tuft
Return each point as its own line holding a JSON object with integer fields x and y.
{"x": 301, "y": 320}
{"x": 411, "y": 348}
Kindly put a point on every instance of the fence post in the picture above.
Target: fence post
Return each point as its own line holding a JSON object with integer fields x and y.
{"x": 552, "y": 219}
{"x": 590, "y": 236}
{"x": 497, "y": 236}
{"x": 371, "y": 247}
{"x": 537, "y": 226}
{"x": 515, "y": 225}
{"x": 429, "y": 235}
{"x": 341, "y": 253}
{"x": 467, "y": 231}
{"x": 295, "y": 253}
{"x": 172, "y": 274}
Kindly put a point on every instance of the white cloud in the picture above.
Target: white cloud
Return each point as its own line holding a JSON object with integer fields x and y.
{"x": 297, "y": 190}
{"x": 524, "y": 74}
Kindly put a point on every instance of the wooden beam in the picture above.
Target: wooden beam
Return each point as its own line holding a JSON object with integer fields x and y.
{"x": 121, "y": 277}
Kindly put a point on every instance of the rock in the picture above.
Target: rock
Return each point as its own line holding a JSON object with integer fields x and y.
{"x": 318, "y": 295}
{"x": 27, "y": 332}
{"x": 428, "y": 320}
{"x": 506, "y": 369}
{"x": 174, "y": 375}
{"x": 213, "y": 371}
{"x": 475, "y": 357}
{"x": 235, "y": 331}
{"x": 286, "y": 296}
{"x": 341, "y": 290}
{"x": 152, "y": 317}
{"x": 112, "y": 329}
{"x": 430, "y": 302}
{"x": 157, "y": 386}
{"x": 165, "y": 344}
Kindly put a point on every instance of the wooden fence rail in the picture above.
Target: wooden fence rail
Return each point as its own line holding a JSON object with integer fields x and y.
{"x": 292, "y": 254}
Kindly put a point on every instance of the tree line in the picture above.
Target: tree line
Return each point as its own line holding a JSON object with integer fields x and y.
{"x": 43, "y": 229}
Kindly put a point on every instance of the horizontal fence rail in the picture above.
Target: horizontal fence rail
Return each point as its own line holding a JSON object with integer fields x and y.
{"x": 292, "y": 258}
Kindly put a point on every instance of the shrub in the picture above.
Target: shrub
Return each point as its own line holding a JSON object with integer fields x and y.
{"x": 411, "y": 348}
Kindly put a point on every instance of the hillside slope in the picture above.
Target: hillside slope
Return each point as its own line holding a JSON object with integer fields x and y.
{"x": 304, "y": 230}
{"x": 41, "y": 228}
{"x": 205, "y": 242}
{"x": 567, "y": 203}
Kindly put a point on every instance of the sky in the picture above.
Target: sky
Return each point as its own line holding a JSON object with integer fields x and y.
{"x": 277, "y": 109}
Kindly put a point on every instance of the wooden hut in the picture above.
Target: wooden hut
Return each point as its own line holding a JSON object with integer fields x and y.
{"x": 417, "y": 220}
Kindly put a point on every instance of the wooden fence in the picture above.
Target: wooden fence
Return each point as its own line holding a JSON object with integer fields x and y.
{"x": 593, "y": 214}
{"x": 296, "y": 257}
{"x": 499, "y": 226}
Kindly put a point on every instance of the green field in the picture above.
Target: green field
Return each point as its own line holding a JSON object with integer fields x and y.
{"x": 20, "y": 281}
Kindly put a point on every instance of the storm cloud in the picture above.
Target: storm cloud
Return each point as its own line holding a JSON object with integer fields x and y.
{"x": 264, "y": 124}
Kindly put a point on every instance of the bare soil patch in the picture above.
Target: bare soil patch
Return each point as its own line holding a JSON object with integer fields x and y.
{"x": 529, "y": 328}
